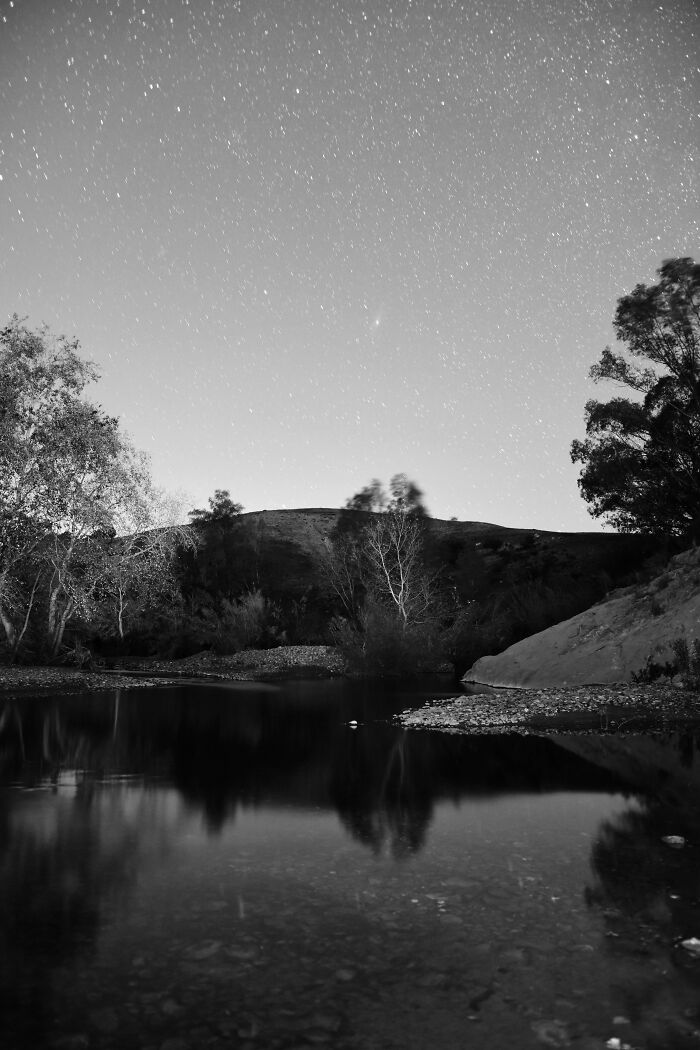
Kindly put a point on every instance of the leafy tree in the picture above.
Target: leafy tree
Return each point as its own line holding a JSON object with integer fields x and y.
{"x": 138, "y": 565}
{"x": 641, "y": 456}
{"x": 226, "y": 564}
{"x": 41, "y": 379}
{"x": 371, "y": 499}
{"x": 69, "y": 480}
{"x": 222, "y": 510}
{"x": 406, "y": 497}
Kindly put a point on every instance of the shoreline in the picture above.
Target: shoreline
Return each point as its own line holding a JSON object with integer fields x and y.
{"x": 250, "y": 665}
{"x": 623, "y": 707}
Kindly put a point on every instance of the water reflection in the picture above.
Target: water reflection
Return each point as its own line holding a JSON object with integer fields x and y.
{"x": 223, "y": 750}
{"x": 187, "y": 850}
{"x": 646, "y": 886}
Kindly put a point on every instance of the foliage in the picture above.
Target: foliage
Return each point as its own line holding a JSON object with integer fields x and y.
{"x": 343, "y": 568}
{"x": 380, "y": 644}
{"x": 372, "y": 499}
{"x": 641, "y": 457}
{"x": 404, "y": 496}
{"x": 686, "y": 663}
{"x": 222, "y": 510}
{"x": 376, "y": 566}
{"x": 138, "y": 571}
{"x": 69, "y": 482}
{"x": 246, "y": 622}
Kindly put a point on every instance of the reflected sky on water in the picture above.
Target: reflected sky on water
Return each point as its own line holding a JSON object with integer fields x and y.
{"x": 242, "y": 868}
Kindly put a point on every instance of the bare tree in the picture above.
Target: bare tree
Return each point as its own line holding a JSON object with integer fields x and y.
{"x": 343, "y": 567}
{"x": 393, "y": 551}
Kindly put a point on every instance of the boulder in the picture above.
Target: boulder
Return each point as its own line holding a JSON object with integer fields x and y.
{"x": 608, "y": 642}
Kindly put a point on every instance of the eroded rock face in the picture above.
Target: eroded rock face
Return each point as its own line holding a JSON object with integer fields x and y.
{"x": 608, "y": 642}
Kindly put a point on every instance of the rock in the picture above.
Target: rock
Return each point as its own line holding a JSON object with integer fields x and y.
{"x": 106, "y": 1021}
{"x": 327, "y": 1021}
{"x": 609, "y": 642}
{"x": 206, "y": 953}
{"x": 551, "y": 1033}
{"x": 677, "y": 841}
{"x": 692, "y": 945}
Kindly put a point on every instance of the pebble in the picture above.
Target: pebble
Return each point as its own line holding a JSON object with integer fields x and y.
{"x": 476, "y": 713}
{"x": 551, "y": 1033}
{"x": 206, "y": 952}
{"x": 106, "y": 1021}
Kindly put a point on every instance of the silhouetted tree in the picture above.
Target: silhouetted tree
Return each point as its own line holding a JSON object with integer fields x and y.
{"x": 641, "y": 456}
{"x": 222, "y": 510}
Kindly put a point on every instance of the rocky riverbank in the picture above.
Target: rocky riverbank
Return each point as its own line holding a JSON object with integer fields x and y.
{"x": 20, "y": 680}
{"x": 290, "y": 661}
{"x": 620, "y": 707}
{"x": 285, "y": 661}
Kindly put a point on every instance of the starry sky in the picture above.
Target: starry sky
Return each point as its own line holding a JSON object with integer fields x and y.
{"x": 313, "y": 242}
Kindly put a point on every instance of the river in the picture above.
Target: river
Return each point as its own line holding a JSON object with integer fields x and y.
{"x": 241, "y": 866}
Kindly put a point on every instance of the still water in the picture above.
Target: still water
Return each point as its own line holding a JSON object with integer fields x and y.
{"x": 236, "y": 866}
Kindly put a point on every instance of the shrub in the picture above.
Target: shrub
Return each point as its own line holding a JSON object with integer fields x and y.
{"x": 652, "y": 671}
{"x": 686, "y": 662}
{"x": 248, "y": 622}
{"x": 382, "y": 645}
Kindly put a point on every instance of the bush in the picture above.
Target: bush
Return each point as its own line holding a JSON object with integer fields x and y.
{"x": 652, "y": 671}
{"x": 383, "y": 645}
{"x": 245, "y": 623}
{"x": 686, "y": 663}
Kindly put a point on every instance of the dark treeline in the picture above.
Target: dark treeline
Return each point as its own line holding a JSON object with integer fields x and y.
{"x": 94, "y": 559}
{"x": 257, "y": 580}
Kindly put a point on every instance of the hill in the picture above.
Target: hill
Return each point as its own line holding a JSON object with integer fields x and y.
{"x": 501, "y": 584}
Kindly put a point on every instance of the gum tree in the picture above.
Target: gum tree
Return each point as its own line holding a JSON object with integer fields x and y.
{"x": 69, "y": 482}
{"x": 641, "y": 455}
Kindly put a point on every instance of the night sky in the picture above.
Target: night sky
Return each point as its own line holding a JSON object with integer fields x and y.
{"x": 313, "y": 242}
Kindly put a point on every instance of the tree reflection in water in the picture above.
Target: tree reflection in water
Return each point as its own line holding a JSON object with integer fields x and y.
{"x": 648, "y": 891}
{"x": 59, "y": 866}
{"x": 379, "y": 796}
{"x": 69, "y": 850}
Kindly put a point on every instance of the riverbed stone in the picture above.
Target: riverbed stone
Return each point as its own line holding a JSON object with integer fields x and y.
{"x": 105, "y": 1021}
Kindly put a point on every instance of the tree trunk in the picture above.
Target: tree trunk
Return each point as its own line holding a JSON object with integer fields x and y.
{"x": 9, "y": 628}
{"x": 56, "y": 625}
